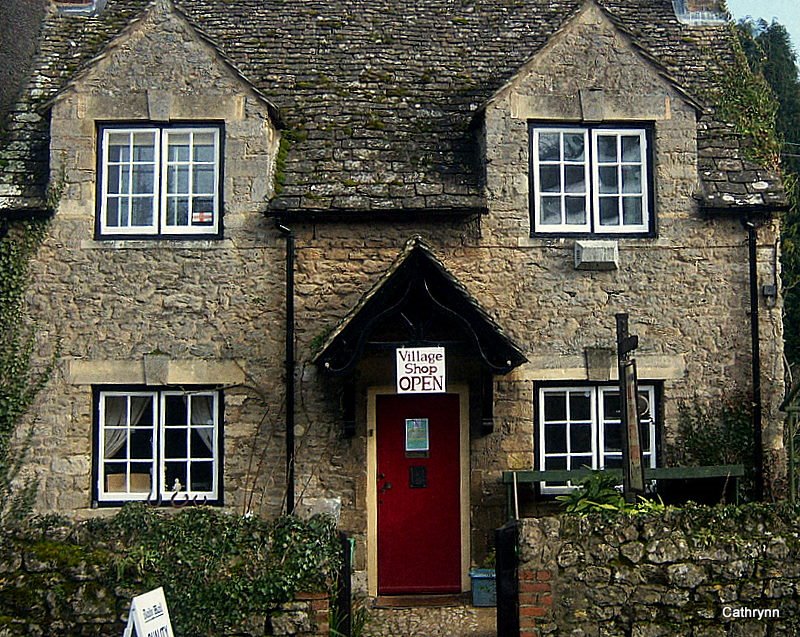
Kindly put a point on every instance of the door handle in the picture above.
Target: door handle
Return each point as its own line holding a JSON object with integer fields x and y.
{"x": 386, "y": 487}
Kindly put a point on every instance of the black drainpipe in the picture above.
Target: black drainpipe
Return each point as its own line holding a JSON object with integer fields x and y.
{"x": 290, "y": 368}
{"x": 752, "y": 237}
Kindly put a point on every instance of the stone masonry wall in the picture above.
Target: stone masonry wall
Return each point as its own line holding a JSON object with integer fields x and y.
{"x": 47, "y": 589}
{"x": 701, "y": 573}
{"x": 214, "y": 310}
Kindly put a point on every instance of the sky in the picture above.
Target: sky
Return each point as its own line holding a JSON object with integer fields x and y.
{"x": 786, "y": 12}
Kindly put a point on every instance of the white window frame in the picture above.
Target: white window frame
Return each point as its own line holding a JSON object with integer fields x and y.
{"x": 161, "y": 165}
{"x": 562, "y": 164}
{"x": 159, "y": 490}
{"x": 592, "y": 225}
{"x": 597, "y": 456}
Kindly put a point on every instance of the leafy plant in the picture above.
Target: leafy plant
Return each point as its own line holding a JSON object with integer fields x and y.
{"x": 221, "y": 569}
{"x": 719, "y": 435}
{"x": 597, "y": 492}
{"x": 359, "y": 623}
{"x": 19, "y": 382}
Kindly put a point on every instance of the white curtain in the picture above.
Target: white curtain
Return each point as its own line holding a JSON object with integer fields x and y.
{"x": 116, "y": 413}
{"x": 203, "y": 416}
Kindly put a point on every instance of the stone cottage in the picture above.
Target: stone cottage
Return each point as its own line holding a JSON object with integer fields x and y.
{"x": 268, "y": 220}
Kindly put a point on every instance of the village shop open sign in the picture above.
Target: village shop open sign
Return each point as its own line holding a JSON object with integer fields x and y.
{"x": 420, "y": 370}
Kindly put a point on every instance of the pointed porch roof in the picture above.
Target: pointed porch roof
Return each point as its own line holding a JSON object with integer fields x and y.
{"x": 427, "y": 305}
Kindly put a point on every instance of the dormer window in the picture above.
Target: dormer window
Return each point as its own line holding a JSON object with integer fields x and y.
{"x": 80, "y": 7}
{"x": 159, "y": 181}
{"x": 590, "y": 180}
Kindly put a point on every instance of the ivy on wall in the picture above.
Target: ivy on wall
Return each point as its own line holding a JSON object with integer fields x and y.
{"x": 19, "y": 382}
{"x": 220, "y": 572}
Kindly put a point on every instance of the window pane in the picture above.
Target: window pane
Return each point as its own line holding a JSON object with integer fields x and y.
{"x": 175, "y": 476}
{"x": 119, "y": 147}
{"x": 632, "y": 179}
{"x": 574, "y": 179}
{"x": 607, "y": 148}
{"x": 612, "y": 462}
{"x": 631, "y": 148}
{"x": 144, "y": 147}
{"x": 202, "y": 476}
{"x": 142, "y": 211}
{"x": 142, "y": 411}
{"x": 203, "y": 212}
{"x": 555, "y": 406}
{"x": 555, "y": 438}
{"x": 632, "y": 211}
{"x": 202, "y": 440}
{"x": 178, "y": 179}
{"x": 574, "y": 147}
{"x": 202, "y": 410}
{"x": 142, "y": 444}
{"x": 608, "y": 179}
{"x": 178, "y": 211}
{"x": 549, "y": 149}
{"x": 555, "y": 463}
{"x": 609, "y": 211}
{"x": 143, "y": 180}
{"x": 576, "y": 210}
{"x": 203, "y": 180}
{"x": 204, "y": 148}
{"x": 178, "y": 147}
{"x": 114, "y": 179}
{"x": 612, "y": 436}
{"x": 549, "y": 178}
{"x": 112, "y": 212}
{"x": 116, "y": 445}
{"x": 580, "y": 438}
{"x": 580, "y": 406}
{"x": 550, "y": 212}
{"x": 175, "y": 407}
{"x": 175, "y": 443}
{"x": 611, "y": 406}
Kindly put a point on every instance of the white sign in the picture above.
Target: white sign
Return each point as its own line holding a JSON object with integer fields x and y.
{"x": 420, "y": 370}
{"x": 149, "y": 616}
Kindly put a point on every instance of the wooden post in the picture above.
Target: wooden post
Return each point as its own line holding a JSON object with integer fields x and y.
{"x": 632, "y": 463}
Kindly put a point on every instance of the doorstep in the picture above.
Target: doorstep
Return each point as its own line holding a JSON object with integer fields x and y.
{"x": 429, "y": 616}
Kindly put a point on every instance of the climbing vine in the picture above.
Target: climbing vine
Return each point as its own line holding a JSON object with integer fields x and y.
{"x": 19, "y": 382}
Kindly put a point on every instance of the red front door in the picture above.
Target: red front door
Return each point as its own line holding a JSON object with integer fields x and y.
{"x": 419, "y": 494}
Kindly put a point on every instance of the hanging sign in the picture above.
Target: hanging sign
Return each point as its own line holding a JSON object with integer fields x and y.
{"x": 420, "y": 370}
{"x": 149, "y": 616}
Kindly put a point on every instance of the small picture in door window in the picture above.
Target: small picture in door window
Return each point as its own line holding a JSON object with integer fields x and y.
{"x": 417, "y": 434}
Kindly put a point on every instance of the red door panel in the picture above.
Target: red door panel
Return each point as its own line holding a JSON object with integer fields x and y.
{"x": 419, "y": 499}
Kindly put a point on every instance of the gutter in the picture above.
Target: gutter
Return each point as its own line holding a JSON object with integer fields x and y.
{"x": 288, "y": 233}
{"x": 758, "y": 446}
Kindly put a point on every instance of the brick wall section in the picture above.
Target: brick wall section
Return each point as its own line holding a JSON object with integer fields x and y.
{"x": 661, "y": 575}
{"x": 535, "y": 600}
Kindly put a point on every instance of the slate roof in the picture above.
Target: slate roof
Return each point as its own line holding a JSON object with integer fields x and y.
{"x": 379, "y": 97}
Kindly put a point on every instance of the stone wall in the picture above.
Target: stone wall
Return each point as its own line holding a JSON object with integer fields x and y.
{"x": 48, "y": 589}
{"x": 700, "y": 572}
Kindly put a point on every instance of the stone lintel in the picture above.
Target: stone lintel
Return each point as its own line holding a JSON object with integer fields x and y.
{"x": 606, "y": 106}
{"x": 574, "y": 368}
{"x": 157, "y": 370}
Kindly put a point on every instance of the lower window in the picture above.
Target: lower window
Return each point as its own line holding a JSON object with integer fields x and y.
{"x": 158, "y": 445}
{"x": 579, "y": 427}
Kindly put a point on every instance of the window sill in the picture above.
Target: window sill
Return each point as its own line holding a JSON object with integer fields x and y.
{"x": 150, "y": 244}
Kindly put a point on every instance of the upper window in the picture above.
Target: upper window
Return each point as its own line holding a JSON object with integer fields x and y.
{"x": 580, "y": 427}
{"x": 159, "y": 181}
{"x": 158, "y": 445}
{"x": 590, "y": 180}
